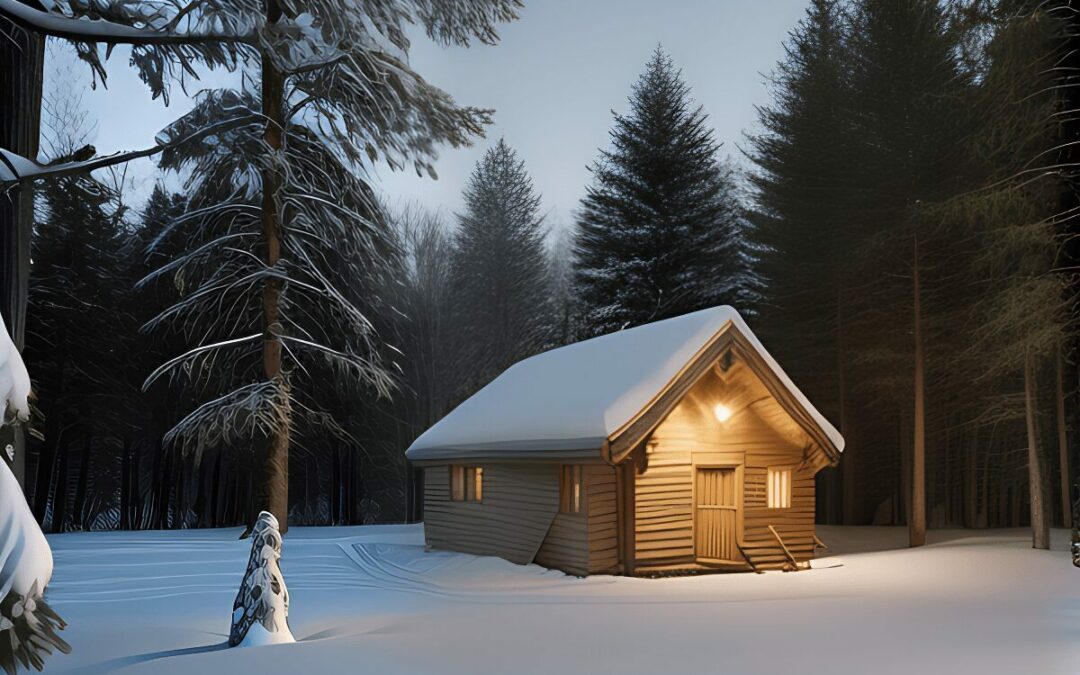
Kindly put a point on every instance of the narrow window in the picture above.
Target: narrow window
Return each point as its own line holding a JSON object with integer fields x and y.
{"x": 779, "y": 488}
{"x": 467, "y": 483}
{"x": 570, "y": 488}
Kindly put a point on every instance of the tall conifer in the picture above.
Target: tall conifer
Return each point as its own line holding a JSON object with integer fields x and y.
{"x": 660, "y": 232}
{"x": 500, "y": 269}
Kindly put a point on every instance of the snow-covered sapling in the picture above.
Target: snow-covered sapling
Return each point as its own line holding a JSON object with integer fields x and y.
{"x": 27, "y": 625}
{"x": 261, "y": 610}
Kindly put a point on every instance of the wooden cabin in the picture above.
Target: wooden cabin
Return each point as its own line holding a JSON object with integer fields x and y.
{"x": 676, "y": 446}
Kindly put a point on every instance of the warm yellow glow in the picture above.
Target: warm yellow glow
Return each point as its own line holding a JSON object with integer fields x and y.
{"x": 722, "y": 412}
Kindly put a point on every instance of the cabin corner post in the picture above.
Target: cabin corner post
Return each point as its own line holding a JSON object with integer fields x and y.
{"x": 625, "y": 474}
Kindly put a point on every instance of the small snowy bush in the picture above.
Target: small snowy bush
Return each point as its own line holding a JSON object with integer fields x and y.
{"x": 261, "y": 610}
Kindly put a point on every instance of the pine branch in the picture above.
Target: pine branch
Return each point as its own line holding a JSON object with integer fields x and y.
{"x": 98, "y": 30}
{"x": 15, "y": 169}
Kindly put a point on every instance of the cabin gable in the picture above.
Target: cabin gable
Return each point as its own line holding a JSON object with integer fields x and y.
{"x": 701, "y": 485}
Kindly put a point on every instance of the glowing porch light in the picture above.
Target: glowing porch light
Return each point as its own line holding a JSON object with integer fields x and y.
{"x": 722, "y": 412}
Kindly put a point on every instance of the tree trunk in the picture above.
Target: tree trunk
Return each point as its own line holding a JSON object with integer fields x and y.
{"x": 59, "y": 491}
{"x": 1040, "y": 520}
{"x": 903, "y": 433}
{"x": 847, "y": 478}
{"x": 125, "y": 488}
{"x": 215, "y": 492}
{"x": 335, "y": 487}
{"x": 1063, "y": 445}
{"x": 179, "y": 506}
{"x": 46, "y": 465}
{"x": 164, "y": 486}
{"x": 79, "y": 508}
{"x": 22, "y": 60}
{"x": 273, "y": 488}
{"x": 917, "y": 524}
{"x": 971, "y": 509}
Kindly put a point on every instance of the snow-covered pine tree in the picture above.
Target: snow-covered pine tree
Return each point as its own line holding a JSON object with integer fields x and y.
{"x": 261, "y": 608}
{"x": 333, "y": 91}
{"x": 660, "y": 231}
{"x": 499, "y": 270}
{"x": 424, "y": 296}
{"x": 564, "y": 303}
{"x": 28, "y": 625}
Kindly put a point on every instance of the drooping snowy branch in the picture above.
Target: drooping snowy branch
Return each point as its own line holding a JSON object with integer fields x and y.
{"x": 84, "y": 29}
{"x": 15, "y": 169}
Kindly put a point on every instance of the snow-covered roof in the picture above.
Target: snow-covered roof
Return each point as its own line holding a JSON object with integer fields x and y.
{"x": 569, "y": 401}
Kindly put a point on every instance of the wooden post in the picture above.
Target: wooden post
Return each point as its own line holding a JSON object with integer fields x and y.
{"x": 1040, "y": 521}
{"x": 625, "y": 475}
{"x": 917, "y": 524}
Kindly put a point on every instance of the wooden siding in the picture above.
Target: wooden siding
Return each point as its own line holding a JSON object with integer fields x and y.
{"x": 518, "y": 510}
{"x": 566, "y": 546}
{"x": 603, "y": 519}
{"x": 587, "y": 542}
{"x": 759, "y": 435}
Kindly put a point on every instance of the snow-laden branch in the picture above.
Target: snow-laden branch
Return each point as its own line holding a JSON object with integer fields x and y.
{"x": 15, "y": 169}
{"x": 98, "y": 30}
{"x": 177, "y": 360}
{"x": 183, "y": 260}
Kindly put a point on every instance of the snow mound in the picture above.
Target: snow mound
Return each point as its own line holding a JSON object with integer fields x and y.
{"x": 14, "y": 380}
{"x": 371, "y": 600}
{"x": 26, "y": 561}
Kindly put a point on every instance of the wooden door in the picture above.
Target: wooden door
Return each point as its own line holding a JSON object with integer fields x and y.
{"x": 716, "y": 517}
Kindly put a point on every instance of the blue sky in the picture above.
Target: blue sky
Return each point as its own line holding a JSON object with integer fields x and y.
{"x": 553, "y": 81}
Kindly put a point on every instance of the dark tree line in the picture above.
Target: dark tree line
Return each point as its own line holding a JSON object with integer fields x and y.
{"x": 909, "y": 195}
{"x": 906, "y": 249}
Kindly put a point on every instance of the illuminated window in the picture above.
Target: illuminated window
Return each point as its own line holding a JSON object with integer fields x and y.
{"x": 570, "y": 489}
{"x": 779, "y": 488}
{"x": 467, "y": 483}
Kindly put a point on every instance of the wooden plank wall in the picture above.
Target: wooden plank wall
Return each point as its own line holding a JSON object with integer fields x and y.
{"x": 587, "y": 542}
{"x": 603, "y": 519}
{"x": 519, "y": 507}
{"x": 566, "y": 546}
{"x": 759, "y": 435}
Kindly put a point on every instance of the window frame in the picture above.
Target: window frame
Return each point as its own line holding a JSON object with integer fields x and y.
{"x": 778, "y": 487}
{"x": 571, "y": 489}
{"x": 466, "y": 484}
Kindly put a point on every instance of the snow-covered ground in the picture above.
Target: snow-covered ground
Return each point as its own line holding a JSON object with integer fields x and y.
{"x": 369, "y": 600}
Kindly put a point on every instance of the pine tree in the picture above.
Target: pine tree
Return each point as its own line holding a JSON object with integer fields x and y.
{"x": 660, "y": 231}
{"x": 909, "y": 88}
{"x": 802, "y": 221}
{"x": 296, "y": 202}
{"x": 79, "y": 333}
{"x": 1015, "y": 317}
{"x": 499, "y": 274}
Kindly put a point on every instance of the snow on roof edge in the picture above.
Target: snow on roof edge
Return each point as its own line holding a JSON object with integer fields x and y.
{"x": 703, "y": 327}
